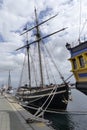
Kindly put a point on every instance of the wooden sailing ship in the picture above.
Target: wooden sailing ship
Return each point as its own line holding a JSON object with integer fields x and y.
{"x": 78, "y": 54}
{"x": 79, "y": 64}
{"x": 42, "y": 97}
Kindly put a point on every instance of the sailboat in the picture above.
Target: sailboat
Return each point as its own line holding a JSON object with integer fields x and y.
{"x": 9, "y": 82}
{"x": 51, "y": 97}
{"x": 9, "y": 86}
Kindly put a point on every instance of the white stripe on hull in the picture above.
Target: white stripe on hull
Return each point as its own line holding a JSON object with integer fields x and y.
{"x": 43, "y": 95}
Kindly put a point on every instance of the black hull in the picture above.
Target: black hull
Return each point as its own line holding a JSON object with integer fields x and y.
{"x": 82, "y": 86}
{"x": 57, "y": 101}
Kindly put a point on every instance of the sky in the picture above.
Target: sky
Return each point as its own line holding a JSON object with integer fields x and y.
{"x": 14, "y": 15}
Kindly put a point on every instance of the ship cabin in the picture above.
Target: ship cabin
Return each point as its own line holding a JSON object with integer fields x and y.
{"x": 79, "y": 65}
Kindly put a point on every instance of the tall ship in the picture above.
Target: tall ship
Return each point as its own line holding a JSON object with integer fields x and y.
{"x": 79, "y": 65}
{"x": 43, "y": 94}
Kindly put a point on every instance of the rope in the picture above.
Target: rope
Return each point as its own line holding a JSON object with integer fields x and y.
{"x": 83, "y": 27}
{"x": 50, "y": 69}
{"x": 35, "y": 100}
{"x": 46, "y": 62}
{"x": 41, "y": 108}
{"x": 22, "y": 70}
{"x": 32, "y": 61}
{"x": 69, "y": 77}
{"x": 55, "y": 65}
{"x": 80, "y": 21}
{"x": 48, "y": 103}
{"x": 69, "y": 112}
{"x": 60, "y": 112}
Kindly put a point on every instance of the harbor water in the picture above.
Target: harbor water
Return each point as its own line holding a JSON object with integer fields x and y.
{"x": 75, "y": 118}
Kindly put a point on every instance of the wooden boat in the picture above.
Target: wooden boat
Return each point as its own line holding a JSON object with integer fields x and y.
{"x": 44, "y": 96}
{"x": 79, "y": 64}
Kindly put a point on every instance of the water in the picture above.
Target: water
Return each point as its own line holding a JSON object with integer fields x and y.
{"x": 76, "y": 116}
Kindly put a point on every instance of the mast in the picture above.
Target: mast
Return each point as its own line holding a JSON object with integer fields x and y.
{"x": 9, "y": 81}
{"x": 39, "y": 38}
{"x": 39, "y": 49}
{"x": 28, "y": 56}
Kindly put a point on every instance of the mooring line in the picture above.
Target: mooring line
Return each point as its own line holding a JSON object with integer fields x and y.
{"x": 60, "y": 112}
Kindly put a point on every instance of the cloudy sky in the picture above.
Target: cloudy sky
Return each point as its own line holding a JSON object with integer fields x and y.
{"x": 14, "y": 15}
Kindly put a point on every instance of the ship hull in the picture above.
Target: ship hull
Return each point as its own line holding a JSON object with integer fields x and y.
{"x": 54, "y": 99}
{"x": 79, "y": 65}
{"x": 82, "y": 86}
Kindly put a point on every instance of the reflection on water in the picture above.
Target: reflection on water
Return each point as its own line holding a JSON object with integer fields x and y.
{"x": 61, "y": 122}
{"x": 76, "y": 117}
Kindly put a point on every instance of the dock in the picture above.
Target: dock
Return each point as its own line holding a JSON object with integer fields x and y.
{"x": 14, "y": 117}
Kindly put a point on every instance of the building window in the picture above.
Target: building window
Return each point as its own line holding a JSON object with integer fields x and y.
{"x": 81, "y": 61}
{"x": 74, "y": 63}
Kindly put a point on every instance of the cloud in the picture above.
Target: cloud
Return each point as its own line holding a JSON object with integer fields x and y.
{"x": 15, "y": 15}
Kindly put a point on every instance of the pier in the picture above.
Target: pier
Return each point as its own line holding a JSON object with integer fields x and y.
{"x": 14, "y": 117}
